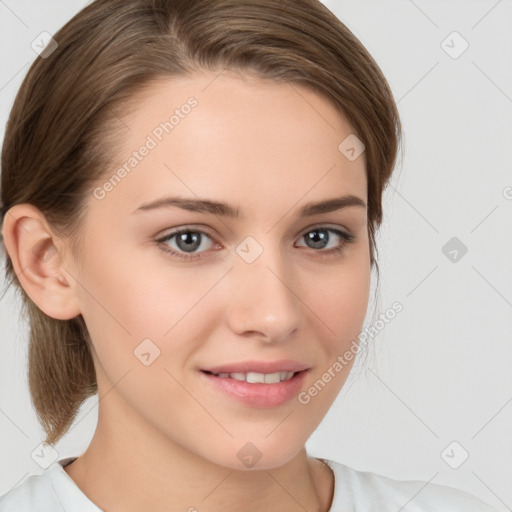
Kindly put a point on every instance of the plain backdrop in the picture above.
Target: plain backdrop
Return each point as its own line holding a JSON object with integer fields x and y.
{"x": 434, "y": 402}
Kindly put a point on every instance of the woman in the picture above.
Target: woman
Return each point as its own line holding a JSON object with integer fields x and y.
{"x": 260, "y": 133}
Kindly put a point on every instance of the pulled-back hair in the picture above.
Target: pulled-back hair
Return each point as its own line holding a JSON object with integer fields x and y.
{"x": 59, "y": 137}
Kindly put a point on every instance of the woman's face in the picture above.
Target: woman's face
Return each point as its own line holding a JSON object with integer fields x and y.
{"x": 264, "y": 285}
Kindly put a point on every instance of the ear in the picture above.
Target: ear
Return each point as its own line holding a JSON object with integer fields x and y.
{"x": 37, "y": 255}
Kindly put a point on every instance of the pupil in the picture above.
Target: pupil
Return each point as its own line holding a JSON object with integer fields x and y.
{"x": 318, "y": 241}
{"x": 186, "y": 238}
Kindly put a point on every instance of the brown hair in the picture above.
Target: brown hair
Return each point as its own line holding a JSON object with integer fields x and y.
{"x": 59, "y": 140}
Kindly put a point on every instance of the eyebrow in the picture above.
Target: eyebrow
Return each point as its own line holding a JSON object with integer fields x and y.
{"x": 220, "y": 208}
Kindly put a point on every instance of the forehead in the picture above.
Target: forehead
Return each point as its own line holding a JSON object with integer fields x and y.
{"x": 235, "y": 138}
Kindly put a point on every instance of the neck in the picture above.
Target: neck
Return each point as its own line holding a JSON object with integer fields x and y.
{"x": 157, "y": 474}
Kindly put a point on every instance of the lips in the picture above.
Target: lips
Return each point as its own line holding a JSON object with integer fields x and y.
{"x": 283, "y": 365}
{"x": 259, "y": 395}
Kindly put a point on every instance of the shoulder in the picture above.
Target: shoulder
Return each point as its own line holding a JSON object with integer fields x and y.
{"x": 51, "y": 491}
{"x": 365, "y": 491}
{"x": 35, "y": 494}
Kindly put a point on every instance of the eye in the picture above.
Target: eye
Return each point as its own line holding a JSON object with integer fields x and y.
{"x": 188, "y": 241}
{"x": 319, "y": 238}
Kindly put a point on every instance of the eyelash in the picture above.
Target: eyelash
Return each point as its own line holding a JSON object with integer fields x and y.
{"x": 347, "y": 238}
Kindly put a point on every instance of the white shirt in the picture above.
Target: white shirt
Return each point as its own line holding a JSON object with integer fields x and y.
{"x": 354, "y": 491}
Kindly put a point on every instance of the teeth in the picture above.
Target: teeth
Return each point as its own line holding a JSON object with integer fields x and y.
{"x": 253, "y": 377}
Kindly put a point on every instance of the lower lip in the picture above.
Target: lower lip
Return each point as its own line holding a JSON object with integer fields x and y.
{"x": 258, "y": 394}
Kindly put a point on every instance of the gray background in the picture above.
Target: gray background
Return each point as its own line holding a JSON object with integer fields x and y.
{"x": 440, "y": 371}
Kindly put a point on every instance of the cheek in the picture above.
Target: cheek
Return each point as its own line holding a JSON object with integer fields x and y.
{"x": 339, "y": 297}
{"x": 340, "y": 301}
{"x": 144, "y": 327}
{"x": 126, "y": 301}
{"x": 125, "y": 290}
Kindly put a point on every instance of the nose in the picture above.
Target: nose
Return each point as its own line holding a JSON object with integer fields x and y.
{"x": 264, "y": 301}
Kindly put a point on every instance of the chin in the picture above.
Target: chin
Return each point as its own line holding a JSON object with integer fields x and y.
{"x": 256, "y": 456}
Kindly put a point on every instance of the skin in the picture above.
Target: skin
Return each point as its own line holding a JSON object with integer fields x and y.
{"x": 165, "y": 438}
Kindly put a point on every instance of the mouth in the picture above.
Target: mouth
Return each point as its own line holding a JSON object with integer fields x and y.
{"x": 260, "y": 390}
{"x": 256, "y": 377}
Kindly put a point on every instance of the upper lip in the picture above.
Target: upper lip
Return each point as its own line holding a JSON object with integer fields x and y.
{"x": 284, "y": 365}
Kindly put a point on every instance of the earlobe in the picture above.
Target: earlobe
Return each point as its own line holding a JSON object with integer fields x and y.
{"x": 37, "y": 257}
